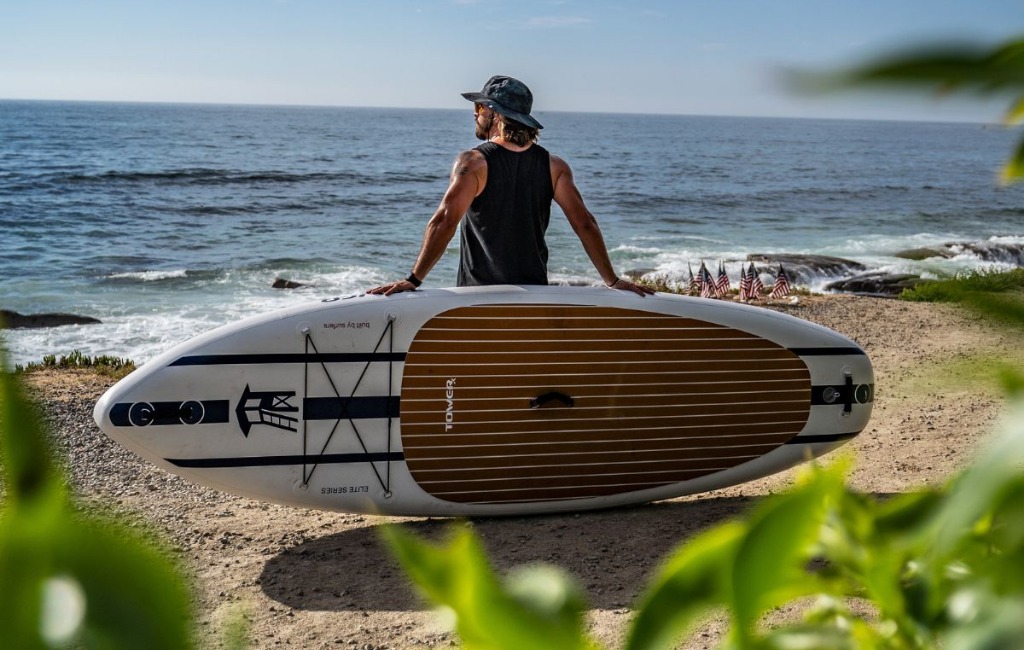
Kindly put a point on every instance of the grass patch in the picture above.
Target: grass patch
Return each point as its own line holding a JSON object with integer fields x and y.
{"x": 996, "y": 295}
{"x": 985, "y": 374}
{"x": 971, "y": 282}
{"x": 105, "y": 365}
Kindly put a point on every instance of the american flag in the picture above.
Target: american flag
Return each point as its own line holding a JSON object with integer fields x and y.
{"x": 693, "y": 285}
{"x": 781, "y": 287}
{"x": 707, "y": 283}
{"x": 745, "y": 282}
{"x": 722, "y": 285}
{"x": 756, "y": 286}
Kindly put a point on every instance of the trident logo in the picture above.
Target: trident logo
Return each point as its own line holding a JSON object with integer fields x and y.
{"x": 269, "y": 408}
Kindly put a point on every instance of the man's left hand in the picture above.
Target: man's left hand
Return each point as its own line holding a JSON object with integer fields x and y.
{"x": 625, "y": 285}
{"x": 394, "y": 287}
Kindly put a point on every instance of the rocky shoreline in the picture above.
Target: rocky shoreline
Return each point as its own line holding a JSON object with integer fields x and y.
{"x": 315, "y": 579}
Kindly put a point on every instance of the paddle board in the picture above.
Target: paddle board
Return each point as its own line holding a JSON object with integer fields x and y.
{"x": 493, "y": 400}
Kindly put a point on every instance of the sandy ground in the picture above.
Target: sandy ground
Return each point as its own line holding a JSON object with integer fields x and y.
{"x": 310, "y": 579}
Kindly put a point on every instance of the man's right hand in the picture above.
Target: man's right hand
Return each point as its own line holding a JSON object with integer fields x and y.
{"x": 394, "y": 287}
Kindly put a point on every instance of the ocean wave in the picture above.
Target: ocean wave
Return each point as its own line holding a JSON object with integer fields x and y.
{"x": 164, "y": 278}
{"x": 856, "y": 259}
{"x": 1007, "y": 250}
{"x": 148, "y": 276}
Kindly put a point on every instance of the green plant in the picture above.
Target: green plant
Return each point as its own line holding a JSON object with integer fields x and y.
{"x": 538, "y": 607}
{"x": 941, "y": 568}
{"x": 998, "y": 296}
{"x": 944, "y": 69}
{"x": 70, "y": 578}
{"x": 969, "y": 282}
{"x": 105, "y": 364}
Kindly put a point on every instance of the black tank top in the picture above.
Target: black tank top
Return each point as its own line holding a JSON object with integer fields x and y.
{"x": 502, "y": 238}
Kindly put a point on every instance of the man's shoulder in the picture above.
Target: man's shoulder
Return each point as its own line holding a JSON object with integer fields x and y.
{"x": 471, "y": 158}
{"x": 558, "y": 165}
{"x": 470, "y": 163}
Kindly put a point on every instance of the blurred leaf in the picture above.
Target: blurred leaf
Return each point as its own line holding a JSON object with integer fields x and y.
{"x": 1015, "y": 113}
{"x": 769, "y": 567}
{"x": 694, "y": 581}
{"x": 991, "y": 624}
{"x": 68, "y": 578}
{"x": 30, "y": 475}
{"x": 540, "y": 609}
{"x": 904, "y": 514}
{"x": 974, "y": 492}
{"x": 944, "y": 67}
{"x": 1013, "y": 169}
{"x": 811, "y": 637}
{"x": 133, "y": 596}
{"x": 1012, "y": 380}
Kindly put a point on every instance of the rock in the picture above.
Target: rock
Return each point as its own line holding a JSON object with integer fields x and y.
{"x": 988, "y": 251}
{"x": 918, "y": 254}
{"x": 876, "y": 284}
{"x": 14, "y": 320}
{"x": 281, "y": 283}
{"x": 802, "y": 269}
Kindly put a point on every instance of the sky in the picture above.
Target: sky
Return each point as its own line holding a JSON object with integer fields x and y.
{"x": 692, "y": 57}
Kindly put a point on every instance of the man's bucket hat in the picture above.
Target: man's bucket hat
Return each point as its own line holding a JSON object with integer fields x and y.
{"x": 507, "y": 96}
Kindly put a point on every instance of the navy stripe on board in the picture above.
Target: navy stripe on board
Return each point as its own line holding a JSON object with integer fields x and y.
{"x": 841, "y": 394}
{"x": 141, "y": 414}
{"x": 827, "y": 352}
{"x": 258, "y": 359}
{"x": 821, "y": 437}
{"x": 275, "y": 461}
{"x": 356, "y": 408}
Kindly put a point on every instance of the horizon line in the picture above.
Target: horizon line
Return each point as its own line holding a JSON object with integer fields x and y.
{"x": 154, "y": 102}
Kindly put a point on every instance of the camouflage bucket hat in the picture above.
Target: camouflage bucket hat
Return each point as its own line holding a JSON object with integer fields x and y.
{"x": 507, "y": 96}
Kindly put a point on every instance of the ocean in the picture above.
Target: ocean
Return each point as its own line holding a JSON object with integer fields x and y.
{"x": 164, "y": 221}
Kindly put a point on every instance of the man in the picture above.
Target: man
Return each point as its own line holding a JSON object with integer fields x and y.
{"x": 501, "y": 192}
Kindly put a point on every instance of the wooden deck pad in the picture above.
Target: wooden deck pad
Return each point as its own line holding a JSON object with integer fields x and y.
{"x": 656, "y": 400}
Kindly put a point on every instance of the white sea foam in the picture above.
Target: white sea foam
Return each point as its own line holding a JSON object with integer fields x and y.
{"x": 149, "y": 276}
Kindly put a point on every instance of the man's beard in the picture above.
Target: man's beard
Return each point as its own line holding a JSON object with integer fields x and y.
{"x": 484, "y": 132}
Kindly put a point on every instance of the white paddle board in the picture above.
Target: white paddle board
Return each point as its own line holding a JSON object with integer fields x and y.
{"x": 493, "y": 400}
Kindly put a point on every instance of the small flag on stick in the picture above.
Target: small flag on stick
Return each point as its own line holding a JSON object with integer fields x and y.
{"x": 781, "y": 287}
{"x": 745, "y": 282}
{"x": 756, "y": 286}
{"x": 722, "y": 285}
{"x": 693, "y": 285}
{"x": 707, "y": 283}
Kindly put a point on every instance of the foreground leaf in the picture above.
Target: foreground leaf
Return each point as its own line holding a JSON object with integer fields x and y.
{"x": 69, "y": 579}
{"x": 692, "y": 583}
{"x": 540, "y": 608}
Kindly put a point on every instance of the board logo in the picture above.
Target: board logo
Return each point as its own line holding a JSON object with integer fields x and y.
{"x": 270, "y": 408}
{"x": 449, "y": 396}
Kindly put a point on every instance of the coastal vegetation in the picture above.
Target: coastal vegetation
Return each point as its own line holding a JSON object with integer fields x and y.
{"x": 70, "y": 577}
{"x": 954, "y": 289}
{"x": 106, "y": 365}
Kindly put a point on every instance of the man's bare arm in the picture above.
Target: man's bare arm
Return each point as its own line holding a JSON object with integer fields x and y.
{"x": 468, "y": 176}
{"x": 584, "y": 224}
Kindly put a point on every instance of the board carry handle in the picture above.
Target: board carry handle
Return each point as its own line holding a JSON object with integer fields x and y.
{"x": 553, "y": 396}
